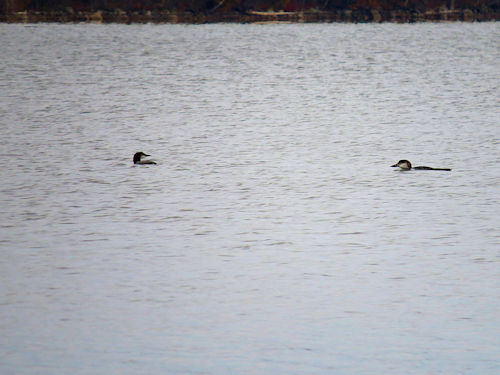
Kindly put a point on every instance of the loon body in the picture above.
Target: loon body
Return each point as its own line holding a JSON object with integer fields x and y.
{"x": 138, "y": 158}
{"x": 405, "y": 165}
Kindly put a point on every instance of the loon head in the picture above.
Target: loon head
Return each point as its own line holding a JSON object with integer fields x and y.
{"x": 138, "y": 158}
{"x": 403, "y": 164}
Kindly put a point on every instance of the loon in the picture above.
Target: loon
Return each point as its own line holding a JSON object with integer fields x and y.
{"x": 405, "y": 165}
{"x": 138, "y": 156}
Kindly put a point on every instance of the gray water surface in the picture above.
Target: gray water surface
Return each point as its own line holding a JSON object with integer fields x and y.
{"x": 272, "y": 237}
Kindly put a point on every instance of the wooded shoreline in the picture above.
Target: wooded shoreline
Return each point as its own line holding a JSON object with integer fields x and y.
{"x": 311, "y": 16}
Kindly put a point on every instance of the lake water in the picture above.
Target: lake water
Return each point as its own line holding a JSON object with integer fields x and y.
{"x": 272, "y": 237}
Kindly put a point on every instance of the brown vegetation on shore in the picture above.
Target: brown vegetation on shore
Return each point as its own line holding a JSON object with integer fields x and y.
{"x": 246, "y": 11}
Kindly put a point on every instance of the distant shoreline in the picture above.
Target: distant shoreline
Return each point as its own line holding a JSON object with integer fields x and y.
{"x": 313, "y": 16}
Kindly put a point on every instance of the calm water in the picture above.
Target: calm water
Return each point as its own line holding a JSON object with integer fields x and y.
{"x": 272, "y": 237}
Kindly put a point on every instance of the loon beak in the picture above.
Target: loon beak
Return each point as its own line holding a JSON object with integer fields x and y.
{"x": 395, "y": 165}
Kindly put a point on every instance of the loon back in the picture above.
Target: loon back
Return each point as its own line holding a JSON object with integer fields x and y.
{"x": 432, "y": 169}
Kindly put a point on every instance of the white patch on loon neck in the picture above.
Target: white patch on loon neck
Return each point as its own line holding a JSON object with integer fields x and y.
{"x": 404, "y": 165}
